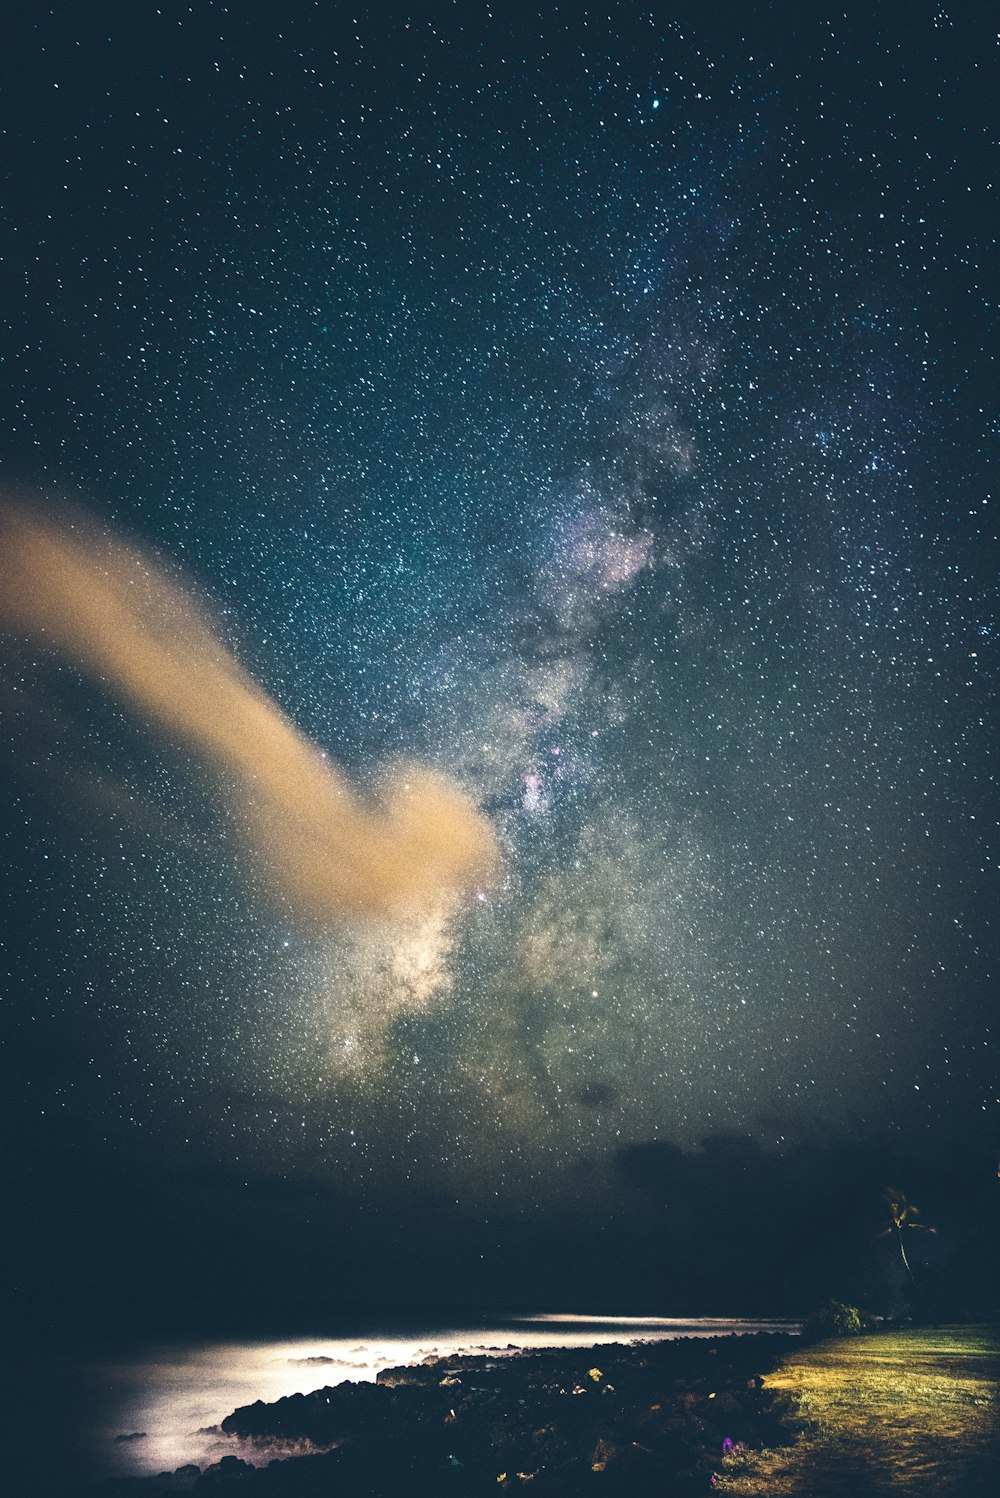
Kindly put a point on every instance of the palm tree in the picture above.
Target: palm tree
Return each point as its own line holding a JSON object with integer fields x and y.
{"x": 901, "y": 1214}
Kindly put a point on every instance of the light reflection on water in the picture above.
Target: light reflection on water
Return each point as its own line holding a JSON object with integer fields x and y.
{"x": 168, "y": 1403}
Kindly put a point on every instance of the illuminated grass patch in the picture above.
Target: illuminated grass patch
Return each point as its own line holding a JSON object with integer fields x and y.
{"x": 911, "y": 1412}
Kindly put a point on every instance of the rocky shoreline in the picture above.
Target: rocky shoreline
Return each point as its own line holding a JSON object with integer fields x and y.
{"x": 651, "y": 1417}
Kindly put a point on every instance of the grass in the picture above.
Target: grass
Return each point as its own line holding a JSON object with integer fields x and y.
{"x": 913, "y": 1412}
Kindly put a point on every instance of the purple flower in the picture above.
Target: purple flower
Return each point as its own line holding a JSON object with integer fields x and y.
{"x": 727, "y": 1446}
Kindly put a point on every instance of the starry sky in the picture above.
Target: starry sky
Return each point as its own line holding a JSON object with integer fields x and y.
{"x": 593, "y": 407}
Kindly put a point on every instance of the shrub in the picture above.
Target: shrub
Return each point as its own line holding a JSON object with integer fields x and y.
{"x": 833, "y": 1319}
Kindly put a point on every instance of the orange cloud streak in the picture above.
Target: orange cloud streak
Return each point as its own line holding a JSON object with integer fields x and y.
{"x": 113, "y": 611}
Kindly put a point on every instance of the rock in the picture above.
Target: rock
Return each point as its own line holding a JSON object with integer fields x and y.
{"x": 231, "y": 1469}
{"x": 642, "y": 1425}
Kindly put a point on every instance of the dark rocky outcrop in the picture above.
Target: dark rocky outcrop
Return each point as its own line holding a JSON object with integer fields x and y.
{"x": 654, "y": 1418}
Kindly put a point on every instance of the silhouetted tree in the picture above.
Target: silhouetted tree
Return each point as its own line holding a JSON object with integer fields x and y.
{"x": 901, "y": 1214}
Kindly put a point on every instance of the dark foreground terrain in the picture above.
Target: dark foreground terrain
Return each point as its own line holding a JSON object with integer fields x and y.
{"x": 656, "y": 1418}
{"x": 914, "y": 1413}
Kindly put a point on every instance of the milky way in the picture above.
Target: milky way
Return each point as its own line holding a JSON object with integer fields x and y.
{"x": 597, "y": 412}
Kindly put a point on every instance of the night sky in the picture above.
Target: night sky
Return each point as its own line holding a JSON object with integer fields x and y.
{"x": 593, "y": 407}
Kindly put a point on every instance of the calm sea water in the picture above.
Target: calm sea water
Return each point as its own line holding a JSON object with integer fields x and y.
{"x": 160, "y": 1408}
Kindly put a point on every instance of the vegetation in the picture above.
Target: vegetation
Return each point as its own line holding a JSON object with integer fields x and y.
{"x": 833, "y": 1319}
{"x": 902, "y": 1216}
{"x": 913, "y": 1411}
